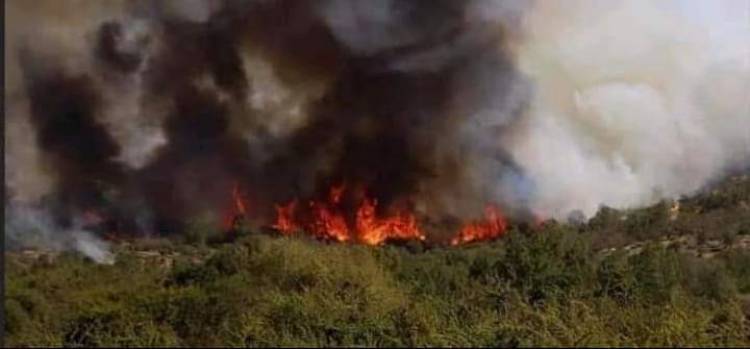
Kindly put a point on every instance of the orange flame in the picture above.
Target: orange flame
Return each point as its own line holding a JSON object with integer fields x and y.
{"x": 239, "y": 203}
{"x": 285, "y": 217}
{"x": 238, "y": 208}
{"x": 328, "y": 221}
{"x": 493, "y": 226}
{"x": 374, "y": 231}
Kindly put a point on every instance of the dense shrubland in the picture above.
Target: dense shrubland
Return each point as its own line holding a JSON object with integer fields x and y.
{"x": 550, "y": 285}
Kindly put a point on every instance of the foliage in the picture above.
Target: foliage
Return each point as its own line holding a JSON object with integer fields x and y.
{"x": 542, "y": 289}
{"x": 550, "y": 286}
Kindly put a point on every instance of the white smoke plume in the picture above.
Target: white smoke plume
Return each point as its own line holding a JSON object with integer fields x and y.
{"x": 634, "y": 101}
{"x": 32, "y": 227}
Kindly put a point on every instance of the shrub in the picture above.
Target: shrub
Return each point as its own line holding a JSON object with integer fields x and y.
{"x": 657, "y": 273}
{"x": 116, "y": 327}
{"x": 738, "y": 267}
{"x": 546, "y": 264}
{"x": 707, "y": 279}
{"x": 616, "y": 279}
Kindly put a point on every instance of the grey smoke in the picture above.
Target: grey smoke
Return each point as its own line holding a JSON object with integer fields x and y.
{"x": 618, "y": 103}
{"x": 33, "y": 227}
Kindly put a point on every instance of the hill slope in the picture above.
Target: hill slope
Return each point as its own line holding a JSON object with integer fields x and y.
{"x": 654, "y": 276}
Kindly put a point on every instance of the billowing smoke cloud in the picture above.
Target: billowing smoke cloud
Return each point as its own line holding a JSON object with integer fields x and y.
{"x": 634, "y": 101}
{"x": 149, "y": 113}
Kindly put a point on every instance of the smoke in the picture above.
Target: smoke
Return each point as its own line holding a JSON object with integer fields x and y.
{"x": 33, "y": 227}
{"x": 150, "y": 113}
{"x": 634, "y": 101}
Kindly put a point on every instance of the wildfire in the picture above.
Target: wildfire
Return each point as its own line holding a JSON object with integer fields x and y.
{"x": 329, "y": 222}
{"x": 239, "y": 202}
{"x": 285, "y": 217}
{"x": 329, "y": 219}
{"x": 238, "y": 209}
{"x": 374, "y": 231}
{"x": 493, "y": 226}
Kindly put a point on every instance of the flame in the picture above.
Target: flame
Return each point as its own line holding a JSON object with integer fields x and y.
{"x": 374, "y": 231}
{"x": 326, "y": 219}
{"x": 329, "y": 222}
{"x": 238, "y": 208}
{"x": 334, "y": 196}
{"x": 239, "y": 203}
{"x": 285, "y": 217}
{"x": 493, "y": 226}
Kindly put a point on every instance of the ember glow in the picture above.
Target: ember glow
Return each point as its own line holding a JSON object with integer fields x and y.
{"x": 493, "y": 226}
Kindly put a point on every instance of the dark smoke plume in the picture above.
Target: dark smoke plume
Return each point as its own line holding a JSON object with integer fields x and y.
{"x": 75, "y": 145}
{"x": 383, "y": 122}
{"x": 155, "y": 111}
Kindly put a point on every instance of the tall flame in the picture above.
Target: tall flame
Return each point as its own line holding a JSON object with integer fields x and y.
{"x": 493, "y": 226}
{"x": 239, "y": 203}
{"x": 237, "y": 210}
{"x": 285, "y": 217}
{"x": 329, "y": 222}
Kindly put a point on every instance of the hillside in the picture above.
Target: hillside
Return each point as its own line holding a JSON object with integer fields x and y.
{"x": 670, "y": 274}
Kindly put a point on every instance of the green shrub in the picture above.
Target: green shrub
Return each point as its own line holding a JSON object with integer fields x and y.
{"x": 708, "y": 279}
{"x": 616, "y": 279}
{"x": 738, "y": 266}
{"x": 116, "y": 327}
{"x": 16, "y": 317}
{"x": 657, "y": 274}
{"x": 548, "y": 264}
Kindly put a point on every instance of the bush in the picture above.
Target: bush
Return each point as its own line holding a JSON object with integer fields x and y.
{"x": 616, "y": 279}
{"x": 16, "y": 317}
{"x": 542, "y": 286}
{"x": 708, "y": 279}
{"x": 548, "y": 264}
{"x": 116, "y": 327}
{"x": 738, "y": 267}
{"x": 657, "y": 274}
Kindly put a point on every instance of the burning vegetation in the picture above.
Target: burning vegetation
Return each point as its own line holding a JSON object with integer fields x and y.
{"x": 186, "y": 130}
{"x": 369, "y": 154}
{"x": 493, "y": 226}
{"x": 328, "y": 220}
{"x": 355, "y": 121}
